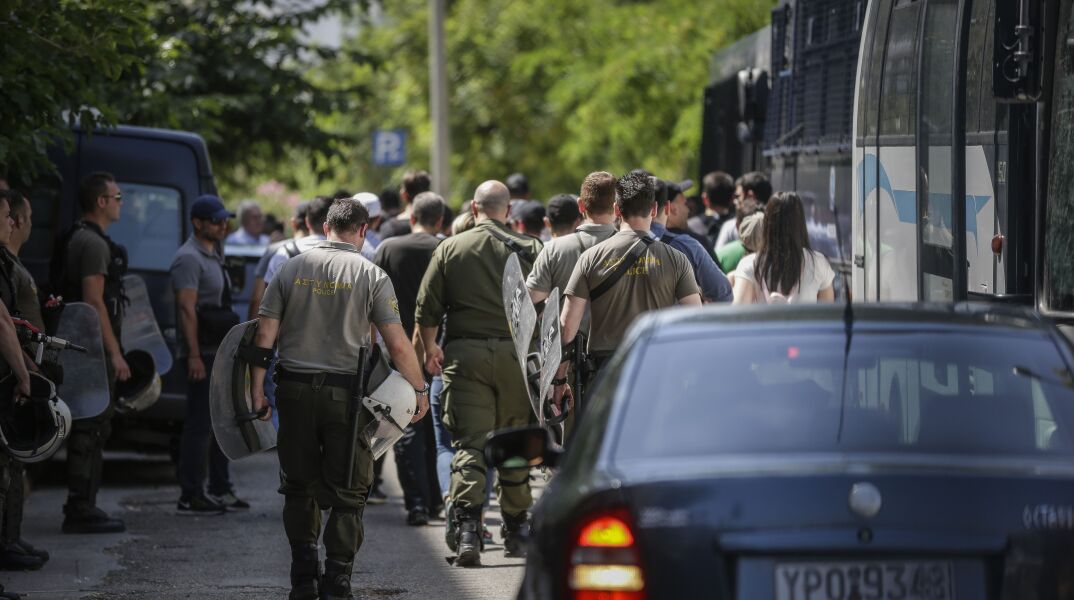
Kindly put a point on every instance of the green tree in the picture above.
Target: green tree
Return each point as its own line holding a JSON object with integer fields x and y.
{"x": 554, "y": 88}
{"x": 61, "y": 59}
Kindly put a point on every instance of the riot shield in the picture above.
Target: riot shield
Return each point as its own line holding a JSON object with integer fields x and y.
{"x": 85, "y": 376}
{"x": 521, "y": 318}
{"x": 551, "y": 354}
{"x": 140, "y": 329}
{"x": 238, "y": 430}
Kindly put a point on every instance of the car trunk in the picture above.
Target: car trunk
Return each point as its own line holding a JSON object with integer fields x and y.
{"x": 934, "y": 536}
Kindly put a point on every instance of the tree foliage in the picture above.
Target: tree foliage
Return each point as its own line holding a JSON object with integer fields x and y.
{"x": 61, "y": 60}
{"x": 553, "y": 88}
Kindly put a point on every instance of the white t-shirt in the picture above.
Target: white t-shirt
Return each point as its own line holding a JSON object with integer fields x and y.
{"x": 817, "y": 275}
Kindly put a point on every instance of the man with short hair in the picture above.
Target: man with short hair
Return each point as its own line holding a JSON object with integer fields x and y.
{"x": 371, "y": 203}
{"x": 519, "y": 186}
{"x": 414, "y": 183}
{"x": 16, "y": 553}
{"x": 89, "y": 267}
{"x": 405, "y": 258}
{"x": 328, "y": 288}
{"x": 555, "y": 263}
{"x": 527, "y": 218}
{"x": 672, "y": 213}
{"x": 201, "y": 285}
{"x": 624, "y": 276}
{"x": 563, "y": 215}
{"x": 717, "y": 194}
{"x": 316, "y": 214}
{"x": 484, "y": 388}
{"x": 752, "y": 192}
{"x": 251, "y": 226}
{"x": 299, "y": 231}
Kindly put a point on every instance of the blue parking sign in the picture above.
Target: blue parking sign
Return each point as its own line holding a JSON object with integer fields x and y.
{"x": 389, "y": 147}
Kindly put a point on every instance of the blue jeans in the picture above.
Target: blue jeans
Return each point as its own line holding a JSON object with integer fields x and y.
{"x": 270, "y": 392}
{"x": 199, "y": 444}
{"x": 444, "y": 451}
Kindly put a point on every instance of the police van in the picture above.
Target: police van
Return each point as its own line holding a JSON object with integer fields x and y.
{"x": 962, "y": 153}
{"x": 160, "y": 173}
{"x": 781, "y": 101}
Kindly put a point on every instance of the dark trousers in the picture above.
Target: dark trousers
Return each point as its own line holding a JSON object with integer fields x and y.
{"x": 412, "y": 465}
{"x": 85, "y": 462}
{"x": 12, "y": 528}
{"x": 198, "y": 445}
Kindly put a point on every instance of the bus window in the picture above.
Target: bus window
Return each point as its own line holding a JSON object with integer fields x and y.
{"x": 898, "y": 105}
{"x": 1059, "y": 210}
{"x": 872, "y": 56}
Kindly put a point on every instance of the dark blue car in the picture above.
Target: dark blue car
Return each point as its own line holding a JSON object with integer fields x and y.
{"x": 909, "y": 452}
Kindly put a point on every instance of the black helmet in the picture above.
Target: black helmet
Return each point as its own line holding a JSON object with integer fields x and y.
{"x": 142, "y": 389}
{"x": 32, "y": 430}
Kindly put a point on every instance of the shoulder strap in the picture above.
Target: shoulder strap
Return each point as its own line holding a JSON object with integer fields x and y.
{"x": 292, "y": 249}
{"x": 621, "y": 269}
{"x": 512, "y": 245}
{"x": 667, "y": 237}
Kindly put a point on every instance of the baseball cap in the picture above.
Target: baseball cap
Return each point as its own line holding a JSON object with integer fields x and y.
{"x": 209, "y": 207}
{"x": 678, "y": 187}
{"x": 527, "y": 210}
{"x": 370, "y": 201}
{"x": 563, "y": 209}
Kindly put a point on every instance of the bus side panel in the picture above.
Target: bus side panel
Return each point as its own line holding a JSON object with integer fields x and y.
{"x": 980, "y": 224}
{"x": 857, "y": 206}
{"x": 896, "y": 197}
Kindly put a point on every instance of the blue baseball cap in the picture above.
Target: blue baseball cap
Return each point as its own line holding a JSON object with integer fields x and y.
{"x": 210, "y": 208}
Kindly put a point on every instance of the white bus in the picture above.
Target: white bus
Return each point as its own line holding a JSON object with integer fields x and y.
{"x": 973, "y": 100}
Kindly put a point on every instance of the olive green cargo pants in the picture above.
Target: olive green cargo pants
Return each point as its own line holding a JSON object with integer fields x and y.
{"x": 312, "y": 447}
{"x": 484, "y": 391}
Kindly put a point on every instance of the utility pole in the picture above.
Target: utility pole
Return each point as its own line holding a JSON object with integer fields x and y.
{"x": 438, "y": 103}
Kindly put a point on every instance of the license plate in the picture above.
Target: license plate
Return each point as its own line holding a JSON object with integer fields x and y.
{"x": 880, "y": 580}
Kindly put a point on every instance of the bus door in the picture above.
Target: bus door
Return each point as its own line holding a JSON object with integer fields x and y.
{"x": 940, "y": 168}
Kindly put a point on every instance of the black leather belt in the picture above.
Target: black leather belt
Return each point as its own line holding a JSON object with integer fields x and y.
{"x": 318, "y": 380}
{"x": 477, "y": 337}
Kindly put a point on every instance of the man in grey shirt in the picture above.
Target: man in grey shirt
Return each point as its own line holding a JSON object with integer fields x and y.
{"x": 556, "y": 261}
{"x": 298, "y": 226}
{"x": 199, "y": 281}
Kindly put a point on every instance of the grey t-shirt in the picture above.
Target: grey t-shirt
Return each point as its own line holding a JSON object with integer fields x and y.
{"x": 195, "y": 268}
{"x": 661, "y": 277}
{"x": 554, "y": 264}
{"x": 325, "y": 299}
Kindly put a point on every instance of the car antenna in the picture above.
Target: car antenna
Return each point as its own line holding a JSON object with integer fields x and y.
{"x": 848, "y": 318}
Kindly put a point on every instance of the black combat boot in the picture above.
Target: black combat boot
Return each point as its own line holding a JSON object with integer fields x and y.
{"x": 305, "y": 573}
{"x": 516, "y": 534}
{"x": 336, "y": 583}
{"x": 468, "y": 537}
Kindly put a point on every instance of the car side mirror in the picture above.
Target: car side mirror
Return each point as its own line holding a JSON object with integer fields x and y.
{"x": 522, "y": 448}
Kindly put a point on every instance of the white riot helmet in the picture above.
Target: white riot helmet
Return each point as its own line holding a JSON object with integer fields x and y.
{"x": 142, "y": 389}
{"x": 392, "y": 403}
{"x": 32, "y": 430}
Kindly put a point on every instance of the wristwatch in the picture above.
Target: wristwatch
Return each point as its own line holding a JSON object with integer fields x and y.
{"x": 423, "y": 391}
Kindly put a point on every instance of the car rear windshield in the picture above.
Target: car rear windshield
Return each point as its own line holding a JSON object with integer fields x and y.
{"x": 953, "y": 391}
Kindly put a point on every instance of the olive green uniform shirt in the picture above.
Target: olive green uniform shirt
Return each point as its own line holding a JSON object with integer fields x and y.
{"x": 325, "y": 299}
{"x": 661, "y": 277}
{"x": 465, "y": 282}
{"x": 26, "y": 299}
{"x": 87, "y": 254}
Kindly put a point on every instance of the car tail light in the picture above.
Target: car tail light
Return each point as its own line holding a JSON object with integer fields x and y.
{"x": 604, "y": 560}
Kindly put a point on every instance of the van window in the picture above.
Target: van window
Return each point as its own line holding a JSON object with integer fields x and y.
{"x": 149, "y": 225}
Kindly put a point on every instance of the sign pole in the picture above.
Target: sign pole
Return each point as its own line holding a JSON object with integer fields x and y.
{"x": 441, "y": 146}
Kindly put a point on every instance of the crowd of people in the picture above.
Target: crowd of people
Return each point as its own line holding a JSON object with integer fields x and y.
{"x": 427, "y": 283}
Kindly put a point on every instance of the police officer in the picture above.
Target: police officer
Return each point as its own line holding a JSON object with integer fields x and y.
{"x": 12, "y": 359}
{"x": 484, "y": 388}
{"x": 17, "y": 553}
{"x": 90, "y": 269}
{"x": 320, "y": 306}
{"x": 624, "y": 276}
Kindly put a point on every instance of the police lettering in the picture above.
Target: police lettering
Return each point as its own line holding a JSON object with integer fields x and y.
{"x": 323, "y": 287}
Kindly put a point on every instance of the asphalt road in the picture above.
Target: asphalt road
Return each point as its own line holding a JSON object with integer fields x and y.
{"x": 238, "y": 555}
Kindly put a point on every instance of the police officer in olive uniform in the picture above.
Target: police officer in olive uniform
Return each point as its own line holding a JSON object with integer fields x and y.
{"x": 483, "y": 385}
{"x": 624, "y": 276}
{"x": 89, "y": 268}
{"x": 320, "y": 306}
{"x": 15, "y": 552}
